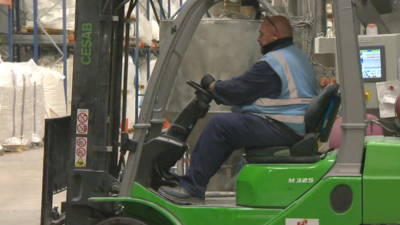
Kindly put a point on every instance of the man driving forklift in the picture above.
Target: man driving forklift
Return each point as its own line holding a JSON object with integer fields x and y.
{"x": 269, "y": 102}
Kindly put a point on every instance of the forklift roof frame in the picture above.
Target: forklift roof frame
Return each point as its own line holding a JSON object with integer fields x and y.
{"x": 349, "y": 159}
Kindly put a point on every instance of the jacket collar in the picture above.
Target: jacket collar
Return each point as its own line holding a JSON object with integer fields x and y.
{"x": 278, "y": 44}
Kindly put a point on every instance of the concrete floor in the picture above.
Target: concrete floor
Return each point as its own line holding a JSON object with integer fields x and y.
{"x": 21, "y": 188}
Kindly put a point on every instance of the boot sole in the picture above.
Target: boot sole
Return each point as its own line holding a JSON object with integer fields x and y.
{"x": 191, "y": 201}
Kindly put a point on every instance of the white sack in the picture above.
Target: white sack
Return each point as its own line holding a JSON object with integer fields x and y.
{"x": 22, "y": 103}
{"x": 130, "y": 106}
{"x": 54, "y": 18}
{"x": 145, "y": 30}
{"x": 53, "y": 86}
{"x": 6, "y": 102}
{"x": 155, "y": 30}
{"x": 49, "y": 62}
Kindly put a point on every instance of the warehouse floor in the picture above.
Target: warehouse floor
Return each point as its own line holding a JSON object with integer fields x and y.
{"x": 21, "y": 188}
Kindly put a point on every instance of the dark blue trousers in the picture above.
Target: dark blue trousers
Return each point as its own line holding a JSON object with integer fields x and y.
{"x": 222, "y": 135}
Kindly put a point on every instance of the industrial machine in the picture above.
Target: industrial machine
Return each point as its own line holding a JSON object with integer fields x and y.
{"x": 380, "y": 67}
{"x": 356, "y": 184}
{"x": 379, "y": 61}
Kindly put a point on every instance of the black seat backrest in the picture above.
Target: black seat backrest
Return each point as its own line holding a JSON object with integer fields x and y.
{"x": 322, "y": 111}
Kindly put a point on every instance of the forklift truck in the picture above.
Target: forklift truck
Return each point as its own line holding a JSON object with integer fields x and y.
{"x": 356, "y": 184}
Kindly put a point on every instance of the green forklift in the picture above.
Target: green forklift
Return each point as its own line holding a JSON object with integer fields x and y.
{"x": 279, "y": 185}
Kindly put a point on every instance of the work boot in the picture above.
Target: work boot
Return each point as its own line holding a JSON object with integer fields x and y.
{"x": 180, "y": 195}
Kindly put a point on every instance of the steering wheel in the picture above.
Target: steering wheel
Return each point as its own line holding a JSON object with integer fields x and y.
{"x": 200, "y": 89}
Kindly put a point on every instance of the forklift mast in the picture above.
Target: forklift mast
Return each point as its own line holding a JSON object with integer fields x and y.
{"x": 96, "y": 106}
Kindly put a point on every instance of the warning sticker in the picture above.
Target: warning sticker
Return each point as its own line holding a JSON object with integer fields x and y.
{"x": 81, "y": 142}
{"x": 302, "y": 222}
{"x": 80, "y": 163}
{"x": 82, "y": 120}
{"x": 80, "y": 152}
{"x": 82, "y": 117}
{"x": 81, "y": 129}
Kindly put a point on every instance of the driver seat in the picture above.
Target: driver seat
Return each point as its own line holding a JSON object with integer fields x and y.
{"x": 319, "y": 119}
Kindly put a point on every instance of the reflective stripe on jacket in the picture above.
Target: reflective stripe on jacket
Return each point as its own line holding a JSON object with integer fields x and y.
{"x": 298, "y": 89}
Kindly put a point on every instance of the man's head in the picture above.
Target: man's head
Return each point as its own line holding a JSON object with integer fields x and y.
{"x": 274, "y": 28}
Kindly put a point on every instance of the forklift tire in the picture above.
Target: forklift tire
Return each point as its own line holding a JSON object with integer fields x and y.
{"x": 121, "y": 221}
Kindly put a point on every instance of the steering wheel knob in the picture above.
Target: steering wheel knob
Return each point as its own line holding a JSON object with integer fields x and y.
{"x": 200, "y": 89}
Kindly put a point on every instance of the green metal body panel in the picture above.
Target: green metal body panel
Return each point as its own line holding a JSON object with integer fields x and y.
{"x": 315, "y": 204}
{"x": 200, "y": 215}
{"x": 188, "y": 215}
{"x": 381, "y": 181}
{"x": 279, "y": 185}
{"x": 143, "y": 210}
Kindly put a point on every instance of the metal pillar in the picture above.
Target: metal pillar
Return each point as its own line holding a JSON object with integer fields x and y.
{"x": 10, "y": 34}
{"x": 320, "y": 17}
{"x": 349, "y": 159}
{"x": 148, "y": 50}
{"x": 35, "y": 31}
{"x": 18, "y": 23}
{"x": 169, "y": 8}
{"x": 137, "y": 64}
{"x": 65, "y": 55}
{"x": 95, "y": 110}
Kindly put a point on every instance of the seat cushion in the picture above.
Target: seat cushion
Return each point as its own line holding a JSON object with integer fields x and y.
{"x": 268, "y": 151}
{"x": 302, "y": 151}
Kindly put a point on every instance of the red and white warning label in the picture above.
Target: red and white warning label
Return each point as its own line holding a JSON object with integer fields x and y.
{"x": 80, "y": 151}
{"x": 81, "y": 129}
{"x": 290, "y": 221}
{"x": 82, "y": 121}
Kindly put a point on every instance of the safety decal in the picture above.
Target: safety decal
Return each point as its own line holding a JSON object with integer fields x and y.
{"x": 302, "y": 222}
{"x": 80, "y": 163}
{"x": 82, "y": 121}
{"x": 80, "y": 152}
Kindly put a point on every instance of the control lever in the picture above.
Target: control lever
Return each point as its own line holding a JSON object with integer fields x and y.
{"x": 396, "y": 133}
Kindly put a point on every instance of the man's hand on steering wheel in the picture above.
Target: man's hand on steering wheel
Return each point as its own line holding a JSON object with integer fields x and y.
{"x": 206, "y": 81}
{"x": 204, "y": 86}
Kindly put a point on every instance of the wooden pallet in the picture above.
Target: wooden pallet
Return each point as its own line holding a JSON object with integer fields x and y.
{"x": 14, "y": 148}
{"x": 50, "y": 31}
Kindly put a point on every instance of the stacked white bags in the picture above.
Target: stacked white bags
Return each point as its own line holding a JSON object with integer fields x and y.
{"x": 21, "y": 105}
{"x": 50, "y": 13}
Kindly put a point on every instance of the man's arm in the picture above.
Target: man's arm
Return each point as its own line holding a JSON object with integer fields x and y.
{"x": 259, "y": 81}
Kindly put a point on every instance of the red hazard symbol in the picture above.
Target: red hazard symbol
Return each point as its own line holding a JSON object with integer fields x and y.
{"x": 304, "y": 222}
{"x": 81, "y": 152}
{"x": 82, "y": 117}
{"x": 81, "y": 142}
{"x": 81, "y": 128}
